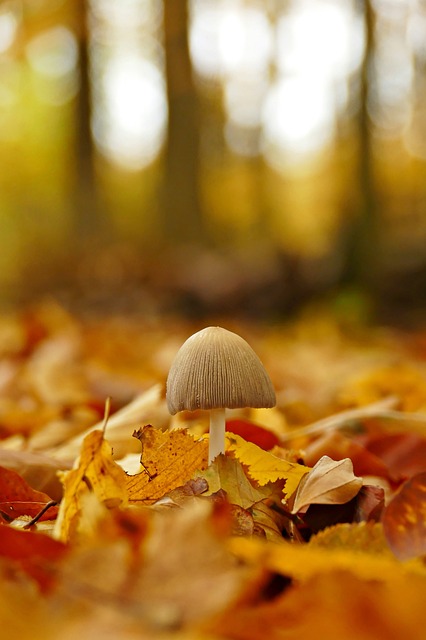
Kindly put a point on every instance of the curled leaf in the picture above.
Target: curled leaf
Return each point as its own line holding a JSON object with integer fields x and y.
{"x": 329, "y": 482}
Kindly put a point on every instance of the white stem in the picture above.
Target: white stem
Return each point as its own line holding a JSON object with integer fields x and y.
{"x": 217, "y": 433}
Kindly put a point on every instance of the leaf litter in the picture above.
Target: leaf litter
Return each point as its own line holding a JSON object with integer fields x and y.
{"x": 301, "y": 531}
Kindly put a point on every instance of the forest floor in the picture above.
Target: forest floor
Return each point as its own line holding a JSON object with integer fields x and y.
{"x": 114, "y": 525}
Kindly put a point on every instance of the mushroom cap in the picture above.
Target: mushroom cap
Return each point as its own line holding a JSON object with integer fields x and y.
{"x": 216, "y": 368}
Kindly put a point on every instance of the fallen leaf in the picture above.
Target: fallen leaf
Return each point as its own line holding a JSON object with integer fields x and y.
{"x": 404, "y": 454}
{"x": 370, "y": 502}
{"x": 337, "y": 446}
{"x": 334, "y": 606}
{"x": 367, "y": 537}
{"x": 35, "y": 553}
{"x": 404, "y": 519}
{"x": 227, "y": 474}
{"x": 251, "y": 432}
{"x": 146, "y": 406}
{"x": 263, "y": 466}
{"x": 40, "y": 471}
{"x": 169, "y": 459}
{"x": 95, "y": 472}
{"x": 17, "y": 498}
{"x": 301, "y": 562}
{"x": 329, "y": 482}
{"x": 180, "y": 571}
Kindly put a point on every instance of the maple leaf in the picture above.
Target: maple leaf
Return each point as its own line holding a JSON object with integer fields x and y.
{"x": 263, "y": 466}
{"x": 329, "y": 482}
{"x": 404, "y": 519}
{"x": 18, "y": 498}
{"x": 169, "y": 459}
{"x": 95, "y": 472}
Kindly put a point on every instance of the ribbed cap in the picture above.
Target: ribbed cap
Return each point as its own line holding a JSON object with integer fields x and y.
{"x": 214, "y": 369}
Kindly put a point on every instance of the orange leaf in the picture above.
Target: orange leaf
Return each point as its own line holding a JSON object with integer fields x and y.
{"x": 169, "y": 459}
{"x": 404, "y": 519}
{"x": 18, "y": 498}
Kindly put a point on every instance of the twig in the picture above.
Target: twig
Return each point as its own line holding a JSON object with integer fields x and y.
{"x": 338, "y": 420}
{"x": 41, "y": 513}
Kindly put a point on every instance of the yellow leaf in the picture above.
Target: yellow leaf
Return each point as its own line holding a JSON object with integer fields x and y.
{"x": 96, "y": 472}
{"x": 368, "y": 537}
{"x": 263, "y": 466}
{"x": 301, "y": 562}
{"x": 329, "y": 482}
{"x": 227, "y": 474}
{"x": 169, "y": 459}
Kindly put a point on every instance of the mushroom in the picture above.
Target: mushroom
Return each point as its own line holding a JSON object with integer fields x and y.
{"x": 216, "y": 369}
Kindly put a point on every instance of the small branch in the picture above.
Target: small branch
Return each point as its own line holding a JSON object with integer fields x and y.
{"x": 41, "y": 513}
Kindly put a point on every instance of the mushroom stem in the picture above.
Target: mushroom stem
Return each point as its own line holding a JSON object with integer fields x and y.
{"x": 217, "y": 433}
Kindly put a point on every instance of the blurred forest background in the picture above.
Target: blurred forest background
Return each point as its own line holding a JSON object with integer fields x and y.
{"x": 225, "y": 155}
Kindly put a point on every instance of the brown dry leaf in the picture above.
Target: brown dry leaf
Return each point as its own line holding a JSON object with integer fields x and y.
{"x": 329, "y": 482}
{"x": 169, "y": 459}
{"x": 263, "y": 466}
{"x": 97, "y": 472}
{"x": 404, "y": 519}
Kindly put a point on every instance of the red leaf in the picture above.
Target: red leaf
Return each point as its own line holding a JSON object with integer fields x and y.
{"x": 404, "y": 519}
{"x": 251, "y": 432}
{"x": 17, "y": 498}
{"x": 403, "y": 453}
{"x": 35, "y": 553}
{"x": 338, "y": 446}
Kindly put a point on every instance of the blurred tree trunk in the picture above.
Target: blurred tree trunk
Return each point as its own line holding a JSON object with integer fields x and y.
{"x": 181, "y": 209}
{"x": 361, "y": 242}
{"x": 88, "y": 222}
